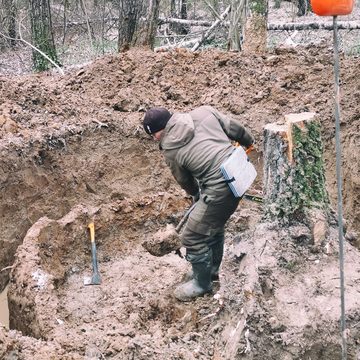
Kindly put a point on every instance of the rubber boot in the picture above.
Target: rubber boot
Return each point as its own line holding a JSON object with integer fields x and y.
{"x": 201, "y": 282}
{"x": 218, "y": 252}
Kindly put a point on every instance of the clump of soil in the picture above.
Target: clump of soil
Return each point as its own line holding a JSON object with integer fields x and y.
{"x": 73, "y": 151}
{"x": 163, "y": 241}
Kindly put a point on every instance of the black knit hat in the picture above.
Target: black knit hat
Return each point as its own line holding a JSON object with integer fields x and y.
{"x": 155, "y": 120}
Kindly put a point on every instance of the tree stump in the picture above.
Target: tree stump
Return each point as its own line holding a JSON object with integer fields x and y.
{"x": 294, "y": 180}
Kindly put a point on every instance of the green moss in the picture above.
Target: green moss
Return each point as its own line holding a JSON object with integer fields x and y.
{"x": 309, "y": 181}
{"x": 259, "y": 7}
{"x": 299, "y": 186}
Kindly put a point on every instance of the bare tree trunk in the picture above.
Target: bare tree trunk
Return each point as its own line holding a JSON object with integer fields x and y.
{"x": 90, "y": 32}
{"x": 42, "y": 34}
{"x": 179, "y": 10}
{"x": 211, "y": 29}
{"x": 65, "y": 21}
{"x": 294, "y": 183}
{"x": 162, "y": 20}
{"x": 8, "y": 21}
{"x": 237, "y": 21}
{"x": 129, "y": 15}
{"x": 137, "y": 23}
{"x": 255, "y": 32}
{"x": 214, "y": 7}
{"x": 149, "y": 27}
{"x": 102, "y": 29}
{"x": 303, "y": 7}
{"x": 173, "y": 14}
{"x": 183, "y": 15}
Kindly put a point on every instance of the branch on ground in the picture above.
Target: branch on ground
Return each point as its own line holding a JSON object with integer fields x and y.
{"x": 181, "y": 44}
{"x": 211, "y": 29}
{"x": 34, "y": 48}
{"x": 341, "y": 25}
{"x": 163, "y": 20}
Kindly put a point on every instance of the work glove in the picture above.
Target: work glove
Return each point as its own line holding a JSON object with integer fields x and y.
{"x": 250, "y": 148}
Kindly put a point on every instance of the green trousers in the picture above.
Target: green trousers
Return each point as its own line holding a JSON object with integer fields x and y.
{"x": 206, "y": 223}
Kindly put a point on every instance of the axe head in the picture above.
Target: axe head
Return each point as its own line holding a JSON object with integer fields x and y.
{"x": 95, "y": 279}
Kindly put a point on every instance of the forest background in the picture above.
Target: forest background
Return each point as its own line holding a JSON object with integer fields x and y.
{"x": 40, "y": 34}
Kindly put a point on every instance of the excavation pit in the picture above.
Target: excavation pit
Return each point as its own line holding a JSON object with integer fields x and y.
{"x": 81, "y": 156}
{"x": 4, "y": 308}
{"x": 49, "y": 293}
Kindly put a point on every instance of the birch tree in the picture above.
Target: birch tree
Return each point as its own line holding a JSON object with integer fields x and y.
{"x": 237, "y": 22}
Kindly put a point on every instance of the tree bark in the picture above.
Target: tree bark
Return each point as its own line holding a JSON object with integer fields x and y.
{"x": 153, "y": 17}
{"x": 179, "y": 10}
{"x": 294, "y": 183}
{"x": 137, "y": 23}
{"x": 173, "y": 14}
{"x": 42, "y": 34}
{"x": 303, "y": 7}
{"x": 129, "y": 15}
{"x": 8, "y": 22}
{"x": 184, "y": 29}
{"x": 255, "y": 31}
{"x": 237, "y": 20}
{"x": 90, "y": 31}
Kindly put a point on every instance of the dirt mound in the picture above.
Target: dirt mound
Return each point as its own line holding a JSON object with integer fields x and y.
{"x": 72, "y": 148}
{"x": 114, "y": 91}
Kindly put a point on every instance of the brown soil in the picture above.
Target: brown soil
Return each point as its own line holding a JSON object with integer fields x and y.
{"x": 73, "y": 151}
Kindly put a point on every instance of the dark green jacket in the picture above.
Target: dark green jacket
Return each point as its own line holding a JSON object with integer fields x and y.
{"x": 195, "y": 144}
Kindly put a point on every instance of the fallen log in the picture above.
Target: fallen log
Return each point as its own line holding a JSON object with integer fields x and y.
{"x": 182, "y": 44}
{"x": 211, "y": 29}
{"x": 206, "y": 23}
{"x": 342, "y": 25}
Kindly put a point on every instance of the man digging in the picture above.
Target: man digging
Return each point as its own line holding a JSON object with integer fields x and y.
{"x": 195, "y": 146}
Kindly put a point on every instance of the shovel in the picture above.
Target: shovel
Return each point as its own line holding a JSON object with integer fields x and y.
{"x": 184, "y": 218}
{"x": 95, "y": 278}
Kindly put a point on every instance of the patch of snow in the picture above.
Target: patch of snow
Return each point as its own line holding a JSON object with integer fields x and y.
{"x": 41, "y": 278}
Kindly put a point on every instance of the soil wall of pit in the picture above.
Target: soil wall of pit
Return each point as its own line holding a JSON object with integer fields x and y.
{"x": 48, "y": 180}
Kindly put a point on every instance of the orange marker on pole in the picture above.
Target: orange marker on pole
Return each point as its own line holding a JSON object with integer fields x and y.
{"x": 332, "y": 7}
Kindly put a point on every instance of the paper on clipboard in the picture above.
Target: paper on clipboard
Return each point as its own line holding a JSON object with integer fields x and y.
{"x": 238, "y": 172}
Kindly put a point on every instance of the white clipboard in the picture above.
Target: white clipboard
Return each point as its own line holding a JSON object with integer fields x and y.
{"x": 238, "y": 172}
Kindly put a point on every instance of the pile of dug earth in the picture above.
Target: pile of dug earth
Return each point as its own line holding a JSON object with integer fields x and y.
{"x": 73, "y": 152}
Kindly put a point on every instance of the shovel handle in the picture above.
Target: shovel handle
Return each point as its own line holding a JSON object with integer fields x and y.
{"x": 91, "y": 227}
{"x": 184, "y": 218}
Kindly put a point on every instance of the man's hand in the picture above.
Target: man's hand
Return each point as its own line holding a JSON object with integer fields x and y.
{"x": 250, "y": 148}
{"x": 253, "y": 154}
